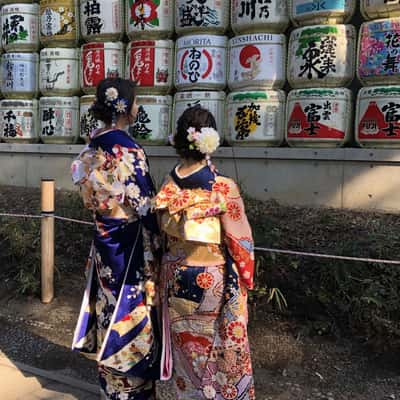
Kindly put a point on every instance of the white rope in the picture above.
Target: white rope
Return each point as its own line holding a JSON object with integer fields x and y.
{"x": 305, "y": 254}
{"x": 263, "y": 249}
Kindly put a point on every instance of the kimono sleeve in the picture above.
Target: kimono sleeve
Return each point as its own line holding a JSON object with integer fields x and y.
{"x": 237, "y": 232}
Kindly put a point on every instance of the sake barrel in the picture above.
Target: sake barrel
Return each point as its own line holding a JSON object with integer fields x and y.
{"x": 3, "y": 2}
{"x": 256, "y": 118}
{"x": 102, "y": 20}
{"x": 153, "y": 120}
{"x": 322, "y": 55}
{"x": 201, "y": 16}
{"x": 59, "y": 72}
{"x": 88, "y": 122}
{"x": 59, "y": 119}
{"x": 249, "y": 16}
{"x": 375, "y": 9}
{"x": 19, "y": 121}
{"x": 100, "y": 61}
{"x": 59, "y": 25}
{"x": 200, "y": 62}
{"x": 377, "y": 121}
{"x": 19, "y": 75}
{"x": 379, "y": 52}
{"x": 319, "y": 117}
{"x": 149, "y": 19}
{"x": 311, "y": 12}
{"x": 212, "y": 101}
{"x": 257, "y": 61}
{"x": 20, "y": 27}
{"x": 150, "y": 64}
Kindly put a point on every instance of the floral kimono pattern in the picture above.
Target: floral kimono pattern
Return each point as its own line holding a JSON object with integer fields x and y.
{"x": 206, "y": 272}
{"x": 116, "y": 325}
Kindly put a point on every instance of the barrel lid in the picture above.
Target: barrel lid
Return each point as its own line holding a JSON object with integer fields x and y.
{"x": 320, "y": 92}
{"x": 271, "y": 38}
{"x": 149, "y": 99}
{"x": 20, "y": 7}
{"x": 201, "y": 40}
{"x": 59, "y": 52}
{"x": 150, "y": 43}
{"x": 323, "y": 30}
{"x": 380, "y": 25}
{"x": 200, "y": 95}
{"x": 18, "y": 103}
{"x": 21, "y": 56}
{"x": 59, "y": 101}
{"x": 103, "y": 45}
{"x": 372, "y": 91}
{"x": 244, "y": 95}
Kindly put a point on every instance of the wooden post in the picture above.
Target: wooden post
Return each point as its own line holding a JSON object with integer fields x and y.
{"x": 47, "y": 240}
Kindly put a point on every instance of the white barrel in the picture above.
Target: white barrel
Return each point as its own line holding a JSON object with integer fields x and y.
{"x": 249, "y": 16}
{"x": 149, "y": 19}
{"x": 102, "y": 20}
{"x": 211, "y": 101}
{"x": 319, "y": 117}
{"x": 19, "y": 121}
{"x": 257, "y": 61}
{"x": 374, "y": 9}
{"x": 256, "y": 118}
{"x": 19, "y": 75}
{"x": 377, "y": 122}
{"x": 59, "y": 23}
{"x": 100, "y": 61}
{"x": 59, "y": 119}
{"x": 311, "y": 12}
{"x": 20, "y": 27}
{"x": 322, "y": 55}
{"x": 88, "y": 122}
{"x": 201, "y": 16}
{"x": 59, "y": 72}
{"x": 150, "y": 64}
{"x": 153, "y": 120}
{"x": 200, "y": 62}
{"x": 379, "y": 52}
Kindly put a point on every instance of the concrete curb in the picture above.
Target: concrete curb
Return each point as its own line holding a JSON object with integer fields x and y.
{"x": 51, "y": 375}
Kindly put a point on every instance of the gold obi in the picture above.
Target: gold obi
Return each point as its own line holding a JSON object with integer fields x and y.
{"x": 191, "y": 220}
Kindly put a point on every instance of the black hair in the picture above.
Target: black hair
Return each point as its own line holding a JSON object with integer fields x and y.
{"x": 195, "y": 117}
{"x": 103, "y": 111}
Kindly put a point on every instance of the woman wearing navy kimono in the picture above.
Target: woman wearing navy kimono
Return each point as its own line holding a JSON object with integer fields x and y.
{"x": 116, "y": 325}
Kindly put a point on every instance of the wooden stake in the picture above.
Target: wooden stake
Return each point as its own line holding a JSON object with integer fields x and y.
{"x": 47, "y": 240}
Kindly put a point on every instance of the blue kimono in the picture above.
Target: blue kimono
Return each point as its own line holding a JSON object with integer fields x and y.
{"x": 116, "y": 325}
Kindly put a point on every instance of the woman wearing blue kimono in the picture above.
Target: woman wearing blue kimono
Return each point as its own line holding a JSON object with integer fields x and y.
{"x": 116, "y": 325}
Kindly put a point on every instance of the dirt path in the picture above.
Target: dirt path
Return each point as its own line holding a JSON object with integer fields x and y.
{"x": 288, "y": 365}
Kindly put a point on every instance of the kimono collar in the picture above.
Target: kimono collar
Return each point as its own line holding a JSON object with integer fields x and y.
{"x": 201, "y": 179}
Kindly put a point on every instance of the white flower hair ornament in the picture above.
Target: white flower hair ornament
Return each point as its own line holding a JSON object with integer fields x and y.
{"x": 206, "y": 141}
{"x": 119, "y": 104}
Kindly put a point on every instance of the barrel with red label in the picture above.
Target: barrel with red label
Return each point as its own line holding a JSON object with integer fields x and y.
{"x": 149, "y": 19}
{"x": 201, "y": 16}
{"x": 102, "y": 20}
{"x": 257, "y": 61}
{"x": 200, "y": 62}
{"x": 379, "y": 52}
{"x": 248, "y": 16}
{"x": 378, "y": 117}
{"x": 319, "y": 117}
{"x": 100, "y": 61}
{"x": 321, "y": 55}
{"x": 150, "y": 64}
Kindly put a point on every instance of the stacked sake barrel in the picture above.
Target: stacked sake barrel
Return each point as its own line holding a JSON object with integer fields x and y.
{"x": 201, "y": 57}
{"x": 321, "y": 65}
{"x": 150, "y": 63}
{"x": 19, "y": 73}
{"x": 257, "y": 60}
{"x": 102, "y": 55}
{"x": 377, "y": 122}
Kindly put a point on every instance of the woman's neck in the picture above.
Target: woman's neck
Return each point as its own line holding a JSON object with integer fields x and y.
{"x": 187, "y": 166}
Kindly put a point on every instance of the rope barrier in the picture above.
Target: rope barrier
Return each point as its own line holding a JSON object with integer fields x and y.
{"x": 263, "y": 249}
